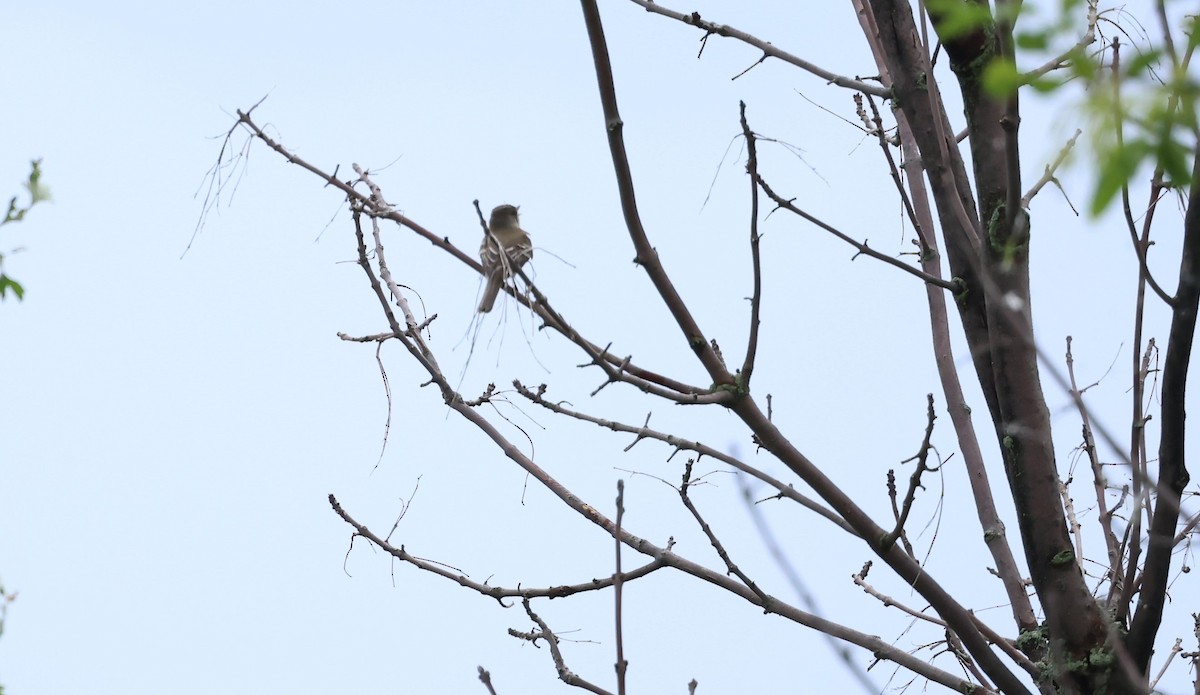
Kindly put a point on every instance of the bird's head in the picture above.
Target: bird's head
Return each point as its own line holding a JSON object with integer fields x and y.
{"x": 504, "y": 216}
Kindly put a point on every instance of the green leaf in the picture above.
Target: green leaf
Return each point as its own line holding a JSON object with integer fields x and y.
{"x": 1172, "y": 156}
{"x": 957, "y": 18}
{"x": 1191, "y": 32}
{"x": 38, "y": 191}
{"x": 1142, "y": 62}
{"x": 1034, "y": 40}
{"x": 1116, "y": 168}
{"x": 7, "y": 283}
{"x": 14, "y": 213}
{"x": 1047, "y": 83}
{"x": 1001, "y": 78}
{"x": 1083, "y": 65}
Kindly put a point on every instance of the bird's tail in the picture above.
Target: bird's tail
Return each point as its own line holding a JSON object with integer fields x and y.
{"x": 490, "y": 292}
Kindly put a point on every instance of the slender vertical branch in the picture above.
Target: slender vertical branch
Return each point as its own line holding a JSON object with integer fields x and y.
{"x": 914, "y": 480}
{"x": 618, "y": 585}
{"x": 1099, "y": 483}
{"x": 755, "y": 259}
{"x": 1172, "y": 470}
{"x": 994, "y": 530}
{"x": 1010, "y": 122}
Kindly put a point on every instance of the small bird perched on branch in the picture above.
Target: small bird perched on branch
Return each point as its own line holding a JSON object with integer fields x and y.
{"x": 504, "y": 234}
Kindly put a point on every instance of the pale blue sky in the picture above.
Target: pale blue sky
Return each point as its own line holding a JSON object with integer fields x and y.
{"x": 170, "y": 427}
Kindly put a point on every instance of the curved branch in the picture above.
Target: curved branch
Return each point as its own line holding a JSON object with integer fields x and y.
{"x": 647, "y": 256}
{"x": 496, "y": 592}
{"x": 1139, "y": 248}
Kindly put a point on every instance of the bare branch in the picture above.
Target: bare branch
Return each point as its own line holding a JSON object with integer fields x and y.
{"x": 1064, "y": 491}
{"x": 756, "y": 261}
{"x": 769, "y": 49}
{"x": 647, "y": 256}
{"x": 1141, "y": 505}
{"x": 496, "y": 592}
{"x": 1175, "y": 650}
{"x": 565, "y": 674}
{"x": 923, "y": 232}
{"x": 860, "y": 580}
{"x": 1100, "y": 484}
{"x": 892, "y": 498}
{"x": 645, "y": 380}
{"x": 1048, "y": 175}
{"x": 1139, "y": 248}
{"x": 681, "y": 444}
{"x": 1063, "y": 59}
{"x": 618, "y": 583}
{"x": 1006, "y": 645}
{"x": 1172, "y": 463}
{"x": 730, "y": 566}
{"x": 862, "y": 247}
{"x": 914, "y": 480}
{"x": 994, "y": 531}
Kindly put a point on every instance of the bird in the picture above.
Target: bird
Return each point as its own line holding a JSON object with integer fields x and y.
{"x": 504, "y": 234}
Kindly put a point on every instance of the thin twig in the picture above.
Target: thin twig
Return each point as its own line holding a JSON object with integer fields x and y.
{"x": 769, "y": 49}
{"x": 618, "y": 583}
{"x": 1175, "y": 650}
{"x": 681, "y": 444}
{"x": 914, "y": 480}
{"x": 893, "y": 499}
{"x": 860, "y": 580}
{"x": 1048, "y": 175}
{"x": 730, "y": 566}
{"x": 645, "y": 380}
{"x": 925, "y": 244}
{"x": 497, "y": 592}
{"x": 1099, "y": 483}
{"x": 565, "y": 674}
{"x": 862, "y": 247}
{"x": 786, "y": 566}
{"x": 1063, "y": 59}
{"x": 1139, "y": 249}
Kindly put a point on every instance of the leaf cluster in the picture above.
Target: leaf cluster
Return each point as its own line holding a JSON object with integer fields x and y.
{"x": 38, "y": 192}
